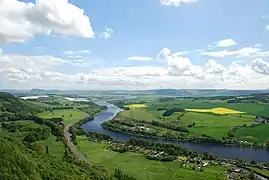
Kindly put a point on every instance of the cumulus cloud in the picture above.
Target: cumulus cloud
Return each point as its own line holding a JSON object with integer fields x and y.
{"x": 260, "y": 66}
{"x": 176, "y": 71}
{"x": 21, "y": 21}
{"x": 226, "y": 43}
{"x": 212, "y": 67}
{"x": 139, "y": 58}
{"x": 108, "y": 33}
{"x": 176, "y": 2}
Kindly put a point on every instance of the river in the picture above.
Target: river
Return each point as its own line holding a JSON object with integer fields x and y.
{"x": 222, "y": 151}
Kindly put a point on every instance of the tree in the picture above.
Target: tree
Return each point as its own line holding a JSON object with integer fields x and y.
{"x": 266, "y": 143}
{"x": 251, "y": 175}
{"x": 47, "y": 149}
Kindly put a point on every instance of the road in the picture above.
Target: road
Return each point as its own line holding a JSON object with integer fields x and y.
{"x": 71, "y": 145}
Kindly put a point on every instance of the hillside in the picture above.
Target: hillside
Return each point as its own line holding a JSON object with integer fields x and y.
{"x": 12, "y": 108}
{"x": 18, "y": 162}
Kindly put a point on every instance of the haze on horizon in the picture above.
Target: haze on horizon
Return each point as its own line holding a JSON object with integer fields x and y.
{"x": 154, "y": 44}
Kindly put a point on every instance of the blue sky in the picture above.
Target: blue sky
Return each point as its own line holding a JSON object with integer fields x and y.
{"x": 225, "y": 44}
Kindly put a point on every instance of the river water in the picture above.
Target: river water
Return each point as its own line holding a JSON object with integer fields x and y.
{"x": 222, "y": 151}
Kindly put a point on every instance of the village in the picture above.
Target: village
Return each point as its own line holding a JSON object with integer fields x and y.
{"x": 236, "y": 169}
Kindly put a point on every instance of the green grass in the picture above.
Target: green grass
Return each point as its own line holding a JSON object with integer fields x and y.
{"x": 65, "y": 114}
{"x": 56, "y": 148}
{"x": 206, "y": 123}
{"x": 264, "y": 172}
{"x": 142, "y": 114}
{"x": 214, "y": 125}
{"x": 141, "y": 168}
{"x": 249, "y": 108}
{"x": 254, "y": 134}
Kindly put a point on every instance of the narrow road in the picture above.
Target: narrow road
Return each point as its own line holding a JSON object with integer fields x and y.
{"x": 71, "y": 145}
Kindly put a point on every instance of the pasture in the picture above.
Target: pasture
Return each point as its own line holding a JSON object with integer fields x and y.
{"x": 253, "y": 134}
{"x": 214, "y": 125}
{"x": 249, "y": 108}
{"x": 68, "y": 115}
{"x": 56, "y": 148}
{"x": 132, "y": 163}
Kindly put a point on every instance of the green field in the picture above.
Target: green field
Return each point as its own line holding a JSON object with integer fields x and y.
{"x": 206, "y": 123}
{"x": 249, "y": 108}
{"x": 68, "y": 115}
{"x": 141, "y": 168}
{"x": 214, "y": 125}
{"x": 254, "y": 134}
{"x": 56, "y": 148}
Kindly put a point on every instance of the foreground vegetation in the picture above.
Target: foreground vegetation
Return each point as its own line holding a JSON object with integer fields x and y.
{"x": 36, "y": 148}
{"x": 132, "y": 163}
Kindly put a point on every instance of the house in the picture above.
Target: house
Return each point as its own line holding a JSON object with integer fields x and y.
{"x": 260, "y": 120}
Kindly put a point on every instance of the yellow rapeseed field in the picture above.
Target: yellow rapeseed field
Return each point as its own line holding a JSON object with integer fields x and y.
{"x": 136, "y": 106}
{"x": 217, "y": 110}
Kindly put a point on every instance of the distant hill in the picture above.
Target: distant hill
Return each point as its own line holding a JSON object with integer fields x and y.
{"x": 12, "y": 108}
{"x": 19, "y": 162}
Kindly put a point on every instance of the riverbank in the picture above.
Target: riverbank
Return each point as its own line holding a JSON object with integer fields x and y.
{"x": 142, "y": 131}
{"x": 165, "y": 154}
{"x": 132, "y": 163}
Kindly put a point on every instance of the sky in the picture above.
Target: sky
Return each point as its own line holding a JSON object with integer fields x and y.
{"x": 134, "y": 45}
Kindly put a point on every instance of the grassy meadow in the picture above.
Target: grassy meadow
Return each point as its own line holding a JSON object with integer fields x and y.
{"x": 214, "y": 118}
{"x": 68, "y": 115}
{"x": 254, "y": 134}
{"x": 214, "y": 125}
{"x": 205, "y": 123}
{"x": 141, "y": 168}
{"x": 255, "y": 109}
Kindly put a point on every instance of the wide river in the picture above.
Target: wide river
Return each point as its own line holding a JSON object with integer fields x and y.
{"x": 222, "y": 151}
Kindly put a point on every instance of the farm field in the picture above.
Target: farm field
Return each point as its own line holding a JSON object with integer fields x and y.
{"x": 68, "y": 115}
{"x": 249, "y": 108}
{"x": 254, "y": 134}
{"x": 205, "y": 123}
{"x": 217, "y": 110}
{"x": 214, "y": 125}
{"x": 136, "y": 106}
{"x": 132, "y": 163}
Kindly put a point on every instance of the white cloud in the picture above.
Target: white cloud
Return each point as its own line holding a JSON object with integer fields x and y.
{"x": 267, "y": 27}
{"x": 139, "y": 58}
{"x": 108, "y": 33}
{"x": 212, "y": 67}
{"x": 260, "y": 66}
{"x": 176, "y": 2}
{"x": 21, "y": 21}
{"x": 246, "y": 51}
{"x": 226, "y": 43}
{"x": 1, "y": 51}
{"x": 177, "y": 71}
